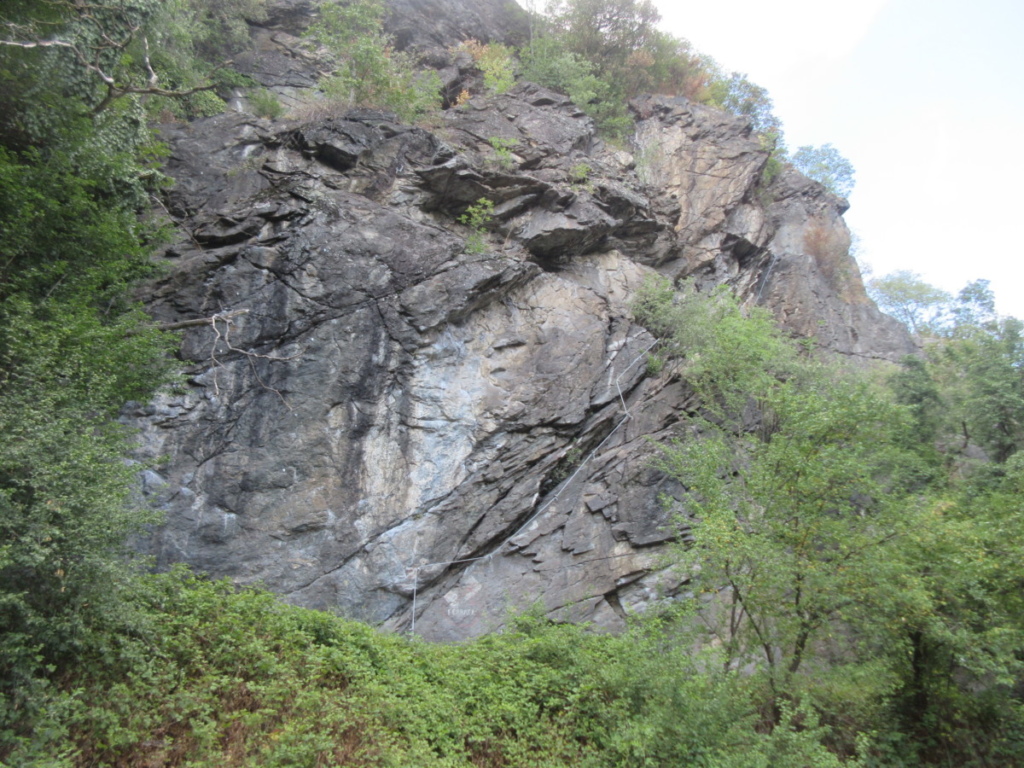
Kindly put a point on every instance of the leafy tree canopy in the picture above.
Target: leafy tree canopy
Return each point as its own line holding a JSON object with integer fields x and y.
{"x": 824, "y": 164}
{"x": 915, "y": 303}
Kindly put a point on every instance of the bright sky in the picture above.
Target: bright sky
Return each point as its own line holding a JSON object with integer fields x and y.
{"x": 924, "y": 97}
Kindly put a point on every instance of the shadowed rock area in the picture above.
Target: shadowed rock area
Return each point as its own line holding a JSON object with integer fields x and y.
{"x": 370, "y": 402}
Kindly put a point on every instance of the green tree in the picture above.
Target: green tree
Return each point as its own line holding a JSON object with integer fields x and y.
{"x": 975, "y": 308}
{"x": 92, "y": 56}
{"x": 983, "y": 373}
{"x": 795, "y": 475}
{"x": 826, "y": 165}
{"x": 792, "y": 522}
{"x": 728, "y": 353}
{"x": 737, "y": 94}
{"x": 607, "y": 33}
{"x": 603, "y": 52}
{"x": 923, "y": 308}
{"x": 954, "y": 626}
{"x": 830, "y": 558}
{"x": 915, "y": 388}
{"x": 73, "y": 350}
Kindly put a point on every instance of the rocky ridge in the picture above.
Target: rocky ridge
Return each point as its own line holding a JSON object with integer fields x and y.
{"x": 382, "y": 421}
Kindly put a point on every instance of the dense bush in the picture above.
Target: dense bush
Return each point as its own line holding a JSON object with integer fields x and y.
{"x": 367, "y": 70}
{"x": 214, "y": 677}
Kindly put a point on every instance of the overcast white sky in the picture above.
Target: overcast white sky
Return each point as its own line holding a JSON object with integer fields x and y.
{"x": 925, "y": 98}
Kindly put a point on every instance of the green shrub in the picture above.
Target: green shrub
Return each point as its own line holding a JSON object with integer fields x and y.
{"x": 655, "y": 364}
{"x": 772, "y": 143}
{"x": 265, "y": 104}
{"x": 368, "y": 71}
{"x": 737, "y": 94}
{"x": 580, "y": 173}
{"x": 731, "y": 352}
{"x": 211, "y": 675}
{"x": 73, "y": 350}
{"x": 496, "y": 61}
{"x": 477, "y": 217}
{"x": 503, "y": 151}
{"x": 547, "y": 62}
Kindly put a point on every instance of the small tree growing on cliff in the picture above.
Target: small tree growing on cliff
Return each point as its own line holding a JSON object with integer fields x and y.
{"x": 825, "y": 165}
{"x": 367, "y": 69}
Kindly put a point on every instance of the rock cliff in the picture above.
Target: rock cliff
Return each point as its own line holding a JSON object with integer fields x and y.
{"x": 382, "y": 421}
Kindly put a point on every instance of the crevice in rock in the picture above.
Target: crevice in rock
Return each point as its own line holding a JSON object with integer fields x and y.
{"x": 612, "y": 598}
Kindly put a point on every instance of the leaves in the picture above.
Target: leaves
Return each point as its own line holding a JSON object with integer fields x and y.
{"x": 825, "y": 165}
{"x": 367, "y": 69}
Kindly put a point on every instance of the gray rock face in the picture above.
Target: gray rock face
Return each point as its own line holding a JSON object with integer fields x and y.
{"x": 380, "y": 421}
{"x": 424, "y": 24}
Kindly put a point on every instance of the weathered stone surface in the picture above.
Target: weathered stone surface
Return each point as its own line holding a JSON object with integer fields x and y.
{"x": 814, "y": 285}
{"x": 784, "y": 246}
{"x": 377, "y": 418}
{"x": 426, "y": 23}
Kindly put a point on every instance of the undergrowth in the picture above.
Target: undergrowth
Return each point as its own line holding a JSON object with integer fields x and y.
{"x": 212, "y": 676}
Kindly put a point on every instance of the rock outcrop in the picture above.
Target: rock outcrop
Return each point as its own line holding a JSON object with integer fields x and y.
{"x": 382, "y": 421}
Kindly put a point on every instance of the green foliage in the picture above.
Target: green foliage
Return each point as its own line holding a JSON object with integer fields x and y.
{"x": 654, "y": 365}
{"x": 959, "y": 622}
{"x": 257, "y": 682}
{"x": 217, "y": 29}
{"x": 368, "y": 71}
{"x": 793, "y": 519}
{"x": 477, "y": 217}
{"x": 548, "y": 63}
{"x": 905, "y": 296}
{"x": 496, "y": 61}
{"x": 731, "y": 353}
{"x": 607, "y": 33}
{"x": 824, "y": 164}
{"x": 968, "y": 391}
{"x": 265, "y": 104}
{"x": 579, "y": 177}
{"x": 73, "y": 350}
{"x": 981, "y": 373}
{"x": 975, "y": 309}
{"x": 737, "y": 94}
{"x": 771, "y": 142}
{"x": 503, "y": 151}
{"x": 916, "y": 390}
{"x": 861, "y": 586}
{"x": 603, "y": 52}
{"x": 162, "y": 55}
{"x": 580, "y": 173}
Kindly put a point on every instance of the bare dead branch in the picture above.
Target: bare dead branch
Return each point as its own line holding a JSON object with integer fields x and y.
{"x": 37, "y": 43}
{"x": 201, "y": 320}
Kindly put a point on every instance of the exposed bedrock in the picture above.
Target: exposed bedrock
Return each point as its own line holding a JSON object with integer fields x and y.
{"x": 370, "y": 402}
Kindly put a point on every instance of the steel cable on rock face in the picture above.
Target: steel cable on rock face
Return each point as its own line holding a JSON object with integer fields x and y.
{"x": 558, "y": 492}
